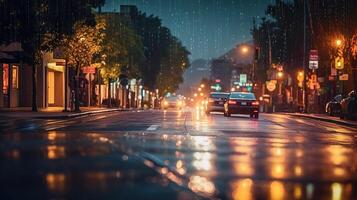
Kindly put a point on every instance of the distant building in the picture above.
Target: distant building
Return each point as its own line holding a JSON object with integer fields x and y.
{"x": 233, "y": 66}
{"x": 221, "y": 69}
{"x": 198, "y": 70}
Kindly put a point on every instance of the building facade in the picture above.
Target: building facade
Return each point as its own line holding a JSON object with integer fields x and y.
{"x": 16, "y": 79}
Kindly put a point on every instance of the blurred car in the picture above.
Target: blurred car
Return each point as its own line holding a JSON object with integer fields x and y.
{"x": 216, "y": 102}
{"x": 349, "y": 106}
{"x": 172, "y": 102}
{"x": 333, "y": 107}
{"x": 242, "y": 103}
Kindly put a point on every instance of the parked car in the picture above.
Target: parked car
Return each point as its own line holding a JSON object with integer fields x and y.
{"x": 241, "y": 103}
{"x": 172, "y": 102}
{"x": 349, "y": 106}
{"x": 333, "y": 107}
{"x": 216, "y": 102}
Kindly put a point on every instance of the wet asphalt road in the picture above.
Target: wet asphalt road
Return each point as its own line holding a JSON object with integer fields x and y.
{"x": 177, "y": 155}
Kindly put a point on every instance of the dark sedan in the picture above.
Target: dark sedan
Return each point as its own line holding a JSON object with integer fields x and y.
{"x": 242, "y": 103}
{"x": 333, "y": 107}
{"x": 216, "y": 102}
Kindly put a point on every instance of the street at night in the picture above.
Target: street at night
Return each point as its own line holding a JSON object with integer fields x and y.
{"x": 178, "y": 99}
{"x": 178, "y": 155}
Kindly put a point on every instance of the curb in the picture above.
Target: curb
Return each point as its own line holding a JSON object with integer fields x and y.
{"x": 339, "y": 122}
{"x": 81, "y": 114}
{"x": 71, "y": 115}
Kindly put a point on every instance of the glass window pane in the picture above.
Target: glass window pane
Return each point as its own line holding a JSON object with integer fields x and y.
{"x": 15, "y": 77}
{"x": 5, "y": 78}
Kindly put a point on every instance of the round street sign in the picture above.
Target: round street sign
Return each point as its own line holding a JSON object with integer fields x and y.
{"x": 339, "y": 63}
{"x": 271, "y": 86}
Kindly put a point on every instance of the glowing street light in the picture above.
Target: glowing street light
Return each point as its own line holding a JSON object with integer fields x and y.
{"x": 338, "y": 42}
{"x": 244, "y": 49}
{"x": 200, "y": 89}
{"x": 195, "y": 95}
{"x": 301, "y": 73}
{"x": 280, "y": 75}
{"x": 202, "y": 85}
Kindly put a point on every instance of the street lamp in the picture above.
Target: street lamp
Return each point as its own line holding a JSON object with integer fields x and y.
{"x": 200, "y": 89}
{"x": 280, "y": 75}
{"x": 202, "y": 85}
{"x": 338, "y": 42}
{"x": 244, "y": 49}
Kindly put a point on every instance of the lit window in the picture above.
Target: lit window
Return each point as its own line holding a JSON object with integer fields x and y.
{"x": 15, "y": 77}
{"x": 5, "y": 78}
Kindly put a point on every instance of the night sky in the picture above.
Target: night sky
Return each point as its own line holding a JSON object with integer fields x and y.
{"x": 208, "y": 28}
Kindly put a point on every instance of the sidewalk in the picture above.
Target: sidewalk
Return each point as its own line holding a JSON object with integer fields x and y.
{"x": 54, "y": 112}
{"x": 326, "y": 118}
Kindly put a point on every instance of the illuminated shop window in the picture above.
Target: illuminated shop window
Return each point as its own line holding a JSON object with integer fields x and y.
{"x": 15, "y": 77}
{"x": 5, "y": 78}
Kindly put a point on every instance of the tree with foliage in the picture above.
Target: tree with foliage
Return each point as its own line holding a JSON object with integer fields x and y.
{"x": 326, "y": 21}
{"x": 166, "y": 58}
{"x": 122, "y": 50}
{"x": 81, "y": 48}
{"x": 173, "y": 63}
{"x": 40, "y": 25}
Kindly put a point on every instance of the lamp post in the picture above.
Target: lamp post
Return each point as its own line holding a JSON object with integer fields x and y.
{"x": 339, "y": 63}
{"x": 280, "y": 78}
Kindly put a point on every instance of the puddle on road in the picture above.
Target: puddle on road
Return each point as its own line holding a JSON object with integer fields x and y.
{"x": 213, "y": 166}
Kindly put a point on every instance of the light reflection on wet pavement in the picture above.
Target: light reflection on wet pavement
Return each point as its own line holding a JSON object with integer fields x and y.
{"x": 186, "y": 155}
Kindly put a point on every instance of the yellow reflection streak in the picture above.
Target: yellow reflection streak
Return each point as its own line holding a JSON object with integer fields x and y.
{"x": 242, "y": 189}
{"x": 336, "y": 191}
{"x": 55, "y": 152}
{"x": 56, "y": 182}
{"x": 243, "y": 169}
{"x": 278, "y": 170}
{"x": 297, "y": 191}
{"x": 298, "y": 170}
{"x": 337, "y": 154}
{"x": 276, "y": 190}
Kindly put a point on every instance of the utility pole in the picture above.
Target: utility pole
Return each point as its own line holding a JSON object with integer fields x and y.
{"x": 305, "y": 102}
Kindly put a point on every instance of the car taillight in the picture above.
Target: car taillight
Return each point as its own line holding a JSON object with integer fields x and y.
{"x": 255, "y": 103}
{"x": 232, "y": 102}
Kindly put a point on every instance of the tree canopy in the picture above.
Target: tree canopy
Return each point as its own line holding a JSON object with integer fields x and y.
{"x": 166, "y": 57}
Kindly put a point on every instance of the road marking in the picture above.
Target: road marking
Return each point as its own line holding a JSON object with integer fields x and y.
{"x": 153, "y": 128}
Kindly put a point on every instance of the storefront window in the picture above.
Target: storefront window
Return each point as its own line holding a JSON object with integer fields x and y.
{"x": 15, "y": 77}
{"x": 5, "y": 78}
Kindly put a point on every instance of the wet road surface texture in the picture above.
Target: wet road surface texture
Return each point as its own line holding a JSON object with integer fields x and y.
{"x": 177, "y": 155}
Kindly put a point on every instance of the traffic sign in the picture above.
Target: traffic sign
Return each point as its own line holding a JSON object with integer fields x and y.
{"x": 344, "y": 77}
{"x": 314, "y": 59}
{"x": 89, "y": 70}
{"x": 313, "y": 64}
{"x": 314, "y": 55}
{"x": 242, "y": 78}
{"x": 271, "y": 86}
{"x": 339, "y": 63}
